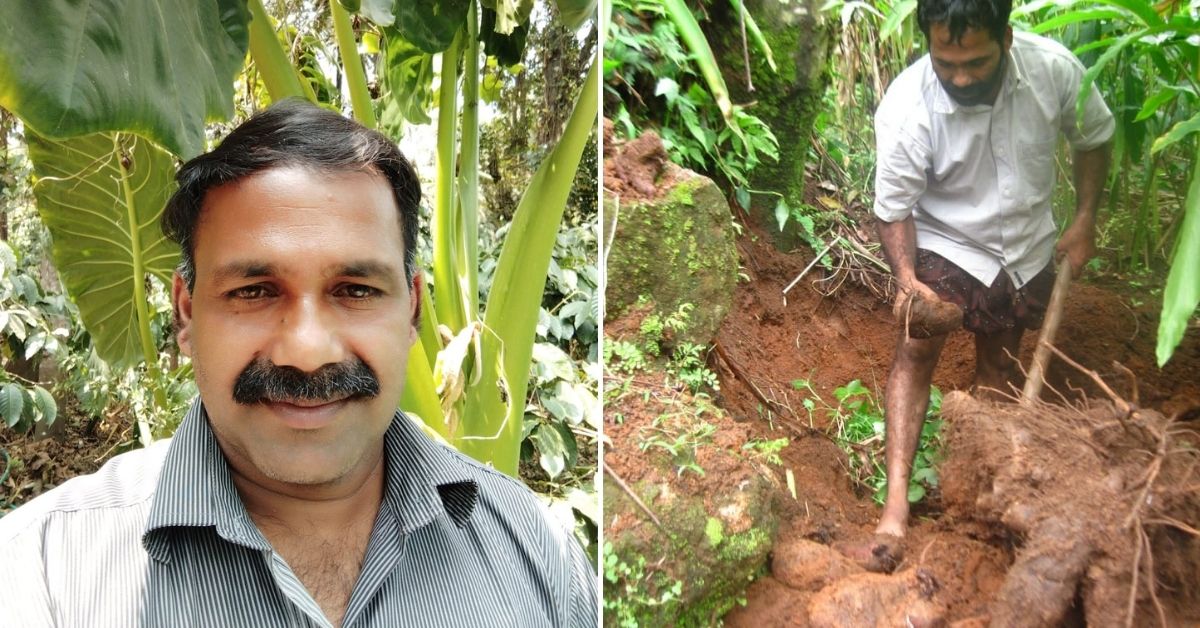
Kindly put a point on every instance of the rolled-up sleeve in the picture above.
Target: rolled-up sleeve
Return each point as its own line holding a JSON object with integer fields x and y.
{"x": 902, "y": 160}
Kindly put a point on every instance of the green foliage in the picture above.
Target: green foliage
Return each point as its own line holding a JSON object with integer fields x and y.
{"x": 679, "y": 434}
{"x": 105, "y": 255}
{"x": 82, "y": 80}
{"x": 634, "y": 591}
{"x": 857, "y": 426}
{"x": 768, "y": 450}
{"x": 651, "y": 80}
{"x": 657, "y": 331}
{"x": 26, "y": 337}
{"x": 687, "y": 365}
{"x": 621, "y": 356}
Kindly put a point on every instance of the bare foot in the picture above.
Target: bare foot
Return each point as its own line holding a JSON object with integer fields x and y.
{"x": 881, "y": 553}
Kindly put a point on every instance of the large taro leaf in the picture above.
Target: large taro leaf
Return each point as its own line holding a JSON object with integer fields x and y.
{"x": 407, "y": 84}
{"x": 431, "y": 26}
{"x": 154, "y": 67}
{"x": 508, "y": 49}
{"x": 507, "y": 15}
{"x": 101, "y": 196}
{"x": 574, "y": 13}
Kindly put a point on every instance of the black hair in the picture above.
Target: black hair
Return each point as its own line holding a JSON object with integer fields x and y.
{"x": 959, "y": 15}
{"x": 292, "y": 132}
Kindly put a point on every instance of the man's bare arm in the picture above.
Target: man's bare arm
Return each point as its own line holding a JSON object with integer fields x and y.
{"x": 1078, "y": 242}
{"x": 899, "y": 240}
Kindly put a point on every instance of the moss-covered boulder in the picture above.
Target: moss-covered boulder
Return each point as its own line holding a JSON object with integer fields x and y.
{"x": 674, "y": 240}
{"x": 786, "y": 99}
{"x": 684, "y": 460}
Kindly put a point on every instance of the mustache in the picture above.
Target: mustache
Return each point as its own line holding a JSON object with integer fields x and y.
{"x": 263, "y": 382}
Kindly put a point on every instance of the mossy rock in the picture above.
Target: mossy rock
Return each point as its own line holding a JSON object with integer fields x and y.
{"x": 717, "y": 531}
{"x": 787, "y": 100}
{"x": 675, "y": 249}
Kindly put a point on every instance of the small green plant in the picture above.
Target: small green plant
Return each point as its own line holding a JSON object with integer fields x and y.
{"x": 658, "y": 331}
{"x": 858, "y": 428}
{"x": 688, "y": 367}
{"x": 767, "y": 450}
{"x": 679, "y": 435}
{"x": 623, "y": 357}
{"x": 632, "y": 592}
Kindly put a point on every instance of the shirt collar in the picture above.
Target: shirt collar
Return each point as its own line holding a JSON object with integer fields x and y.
{"x": 195, "y": 488}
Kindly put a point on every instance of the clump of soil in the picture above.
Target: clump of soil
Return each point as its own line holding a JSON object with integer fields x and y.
{"x": 921, "y": 317}
{"x": 1095, "y": 496}
{"x": 637, "y": 169}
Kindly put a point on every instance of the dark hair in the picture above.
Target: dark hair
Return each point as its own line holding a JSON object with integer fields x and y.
{"x": 959, "y": 15}
{"x": 292, "y": 132}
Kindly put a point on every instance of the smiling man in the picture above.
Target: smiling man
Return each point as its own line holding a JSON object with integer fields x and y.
{"x": 293, "y": 492}
{"x": 966, "y": 140}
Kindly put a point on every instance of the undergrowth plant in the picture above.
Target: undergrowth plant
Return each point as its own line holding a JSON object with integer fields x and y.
{"x": 637, "y": 589}
{"x": 655, "y": 77}
{"x": 857, "y": 426}
{"x": 27, "y": 335}
{"x": 679, "y": 434}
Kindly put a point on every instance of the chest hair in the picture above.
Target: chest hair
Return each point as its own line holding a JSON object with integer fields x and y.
{"x": 328, "y": 567}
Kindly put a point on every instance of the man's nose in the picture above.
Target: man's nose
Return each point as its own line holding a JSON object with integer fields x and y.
{"x": 307, "y": 337}
{"x": 962, "y": 79}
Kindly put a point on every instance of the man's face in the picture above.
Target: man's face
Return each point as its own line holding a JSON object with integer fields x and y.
{"x": 298, "y": 270}
{"x": 971, "y": 69}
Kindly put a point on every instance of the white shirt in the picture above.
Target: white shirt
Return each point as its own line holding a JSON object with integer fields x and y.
{"x": 978, "y": 180}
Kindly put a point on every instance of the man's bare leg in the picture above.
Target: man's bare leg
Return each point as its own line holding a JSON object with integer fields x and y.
{"x": 996, "y": 362}
{"x": 905, "y": 402}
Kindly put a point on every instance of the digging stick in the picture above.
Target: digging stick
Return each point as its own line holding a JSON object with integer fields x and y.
{"x": 1041, "y": 353}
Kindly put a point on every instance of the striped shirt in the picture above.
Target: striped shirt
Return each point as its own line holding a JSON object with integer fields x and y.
{"x": 160, "y": 537}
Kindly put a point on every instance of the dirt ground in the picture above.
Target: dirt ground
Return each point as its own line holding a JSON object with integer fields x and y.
{"x": 78, "y": 446}
{"x": 850, "y": 335}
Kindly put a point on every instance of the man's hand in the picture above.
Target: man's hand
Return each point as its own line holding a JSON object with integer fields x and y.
{"x": 1078, "y": 245}
{"x": 909, "y": 288}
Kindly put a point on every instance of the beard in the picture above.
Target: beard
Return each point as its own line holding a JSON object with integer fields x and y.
{"x": 980, "y": 92}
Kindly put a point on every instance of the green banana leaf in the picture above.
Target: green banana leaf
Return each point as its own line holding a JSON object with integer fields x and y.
{"x": 1182, "y": 293}
{"x": 498, "y": 400}
{"x": 69, "y": 68}
{"x": 101, "y": 196}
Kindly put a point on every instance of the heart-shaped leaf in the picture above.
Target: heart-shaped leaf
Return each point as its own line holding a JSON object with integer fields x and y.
{"x": 155, "y": 67}
{"x": 101, "y": 196}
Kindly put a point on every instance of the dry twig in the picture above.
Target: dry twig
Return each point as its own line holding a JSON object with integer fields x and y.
{"x": 636, "y": 500}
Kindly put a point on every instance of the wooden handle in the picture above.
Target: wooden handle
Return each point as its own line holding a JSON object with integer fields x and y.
{"x": 1041, "y": 353}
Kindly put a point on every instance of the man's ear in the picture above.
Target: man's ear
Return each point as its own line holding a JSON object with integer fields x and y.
{"x": 181, "y": 300}
{"x": 1008, "y": 39}
{"x": 414, "y": 297}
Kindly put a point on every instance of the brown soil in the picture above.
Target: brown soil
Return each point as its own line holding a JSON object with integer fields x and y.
{"x": 76, "y": 445}
{"x": 768, "y": 343}
{"x": 637, "y": 169}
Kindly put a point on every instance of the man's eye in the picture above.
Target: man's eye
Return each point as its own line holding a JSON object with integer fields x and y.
{"x": 357, "y": 291}
{"x": 249, "y": 293}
